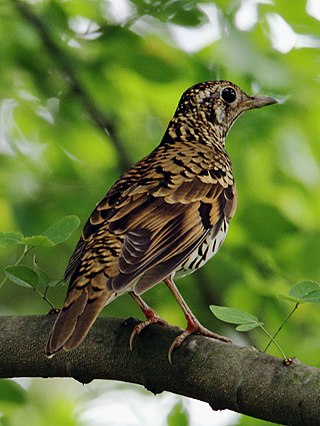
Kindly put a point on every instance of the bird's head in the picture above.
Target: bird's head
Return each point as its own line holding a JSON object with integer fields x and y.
{"x": 217, "y": 103}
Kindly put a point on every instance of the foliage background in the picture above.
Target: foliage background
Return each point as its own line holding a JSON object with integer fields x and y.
{"x": 71, "y": 68}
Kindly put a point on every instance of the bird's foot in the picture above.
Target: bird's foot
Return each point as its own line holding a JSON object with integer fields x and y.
{"x": 194, "y": 327}
{"x": 152, "y": 318}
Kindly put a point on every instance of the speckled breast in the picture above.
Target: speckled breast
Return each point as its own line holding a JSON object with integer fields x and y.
{"x": 208, "y": 248}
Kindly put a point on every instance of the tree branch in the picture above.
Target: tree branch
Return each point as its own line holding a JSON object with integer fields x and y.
{"x": 225, "y": 376}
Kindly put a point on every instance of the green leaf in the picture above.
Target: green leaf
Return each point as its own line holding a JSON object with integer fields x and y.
{"x": 10, "y": 239}
{"x": 249, "y": 326}
{"x": 43, "y": 278}
{"x": 178, "y": 416}
{"x": 291, "y": 299}
{"x": 61, "y": 231}
{"x": 306, "y": 291}
{"x": 233, "y": 316}
{"x": 12, "y": 392}
{"x": 313, "y": 297}
{"x": 22, "y": 275}
{"x": 37, "y": 241}
{"x": 56, "y": 234}
{"x": 56, "y": 283}
{"x": 181, "y": 12}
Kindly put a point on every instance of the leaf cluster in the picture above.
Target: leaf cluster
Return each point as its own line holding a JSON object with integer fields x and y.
{"x": 34, "y": 277}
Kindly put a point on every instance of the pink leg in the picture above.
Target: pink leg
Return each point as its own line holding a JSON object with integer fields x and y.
{"x": 150, "y": 314}
{"x": 194, "y": 326}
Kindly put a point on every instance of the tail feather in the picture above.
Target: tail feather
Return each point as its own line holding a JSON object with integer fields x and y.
{"x": 76, "y": 319}
{"x": 87, "y": 318}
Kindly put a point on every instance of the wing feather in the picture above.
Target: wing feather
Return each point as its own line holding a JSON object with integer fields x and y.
{"x": 170, "y": 229}
{"x": 153, "y": 215}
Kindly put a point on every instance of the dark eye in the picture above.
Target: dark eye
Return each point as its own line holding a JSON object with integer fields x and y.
{"x": 228, "y": 95}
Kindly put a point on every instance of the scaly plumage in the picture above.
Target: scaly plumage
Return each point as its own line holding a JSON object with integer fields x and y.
{"x": 165, "y": 217}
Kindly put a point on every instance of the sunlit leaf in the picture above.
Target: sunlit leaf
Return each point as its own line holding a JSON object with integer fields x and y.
{"x": 9, "y": 239}
{"x": 249, "y": 326}
{"x": 306, "y": 291}
{"x": 313, "y": 297}
{"x": 22, "y": 275}
{"x": 291, "y": 299}
{"x": 61, "y": 231}
{"x": 181, "y": 12}
{"x": 37, "y": 241}
{"x": 233, "y": 316}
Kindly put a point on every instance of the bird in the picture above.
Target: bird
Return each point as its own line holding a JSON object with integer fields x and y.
{"x": 162, "y": 219}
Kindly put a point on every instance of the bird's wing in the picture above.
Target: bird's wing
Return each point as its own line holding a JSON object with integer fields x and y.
{"x": 166, "y": 230}
{"x": 150, "y": 219}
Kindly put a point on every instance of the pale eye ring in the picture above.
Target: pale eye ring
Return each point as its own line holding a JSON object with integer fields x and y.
{"x": 228, "y": 95}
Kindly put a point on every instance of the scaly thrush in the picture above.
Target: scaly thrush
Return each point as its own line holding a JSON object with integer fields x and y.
{"x": 164, "y": 218}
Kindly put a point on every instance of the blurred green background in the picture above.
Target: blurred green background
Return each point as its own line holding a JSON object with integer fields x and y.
{"x": 87, "y": 88}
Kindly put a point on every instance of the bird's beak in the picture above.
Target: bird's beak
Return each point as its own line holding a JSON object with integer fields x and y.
{"x": 251, "y": 102}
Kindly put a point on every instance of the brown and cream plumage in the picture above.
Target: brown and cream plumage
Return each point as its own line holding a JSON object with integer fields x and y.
{"x": 163, "y": 218}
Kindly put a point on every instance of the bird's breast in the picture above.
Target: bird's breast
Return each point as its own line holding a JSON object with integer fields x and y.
{"x": 205, "y": 251}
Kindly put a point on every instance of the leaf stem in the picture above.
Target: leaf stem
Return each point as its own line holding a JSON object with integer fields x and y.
{"x": 281, "y": 326}
{"x": 44, "y": 296}
{"x": 24, "y": 253}
{"x": 273, "y": 341}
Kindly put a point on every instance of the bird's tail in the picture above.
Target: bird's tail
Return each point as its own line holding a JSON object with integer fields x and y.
{"x": 80, "y": 310}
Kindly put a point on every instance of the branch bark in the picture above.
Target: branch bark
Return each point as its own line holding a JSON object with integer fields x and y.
{"x": 224, "y": 375}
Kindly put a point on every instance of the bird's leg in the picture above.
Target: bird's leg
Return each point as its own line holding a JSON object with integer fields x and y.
{"x": 149, "y": 313}
{"x": 194, "y": 326}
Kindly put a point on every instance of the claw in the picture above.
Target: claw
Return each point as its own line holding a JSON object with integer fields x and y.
{"x": 154, "y": 319}
{"x": 137, "y": 330}
{"x": 150, "y": 314}
{"x": 194, "y": 328}
{"x": 176, "y": 343}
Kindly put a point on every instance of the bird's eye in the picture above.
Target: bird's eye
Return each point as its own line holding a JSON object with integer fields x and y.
{"x": 228, "y": 95}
